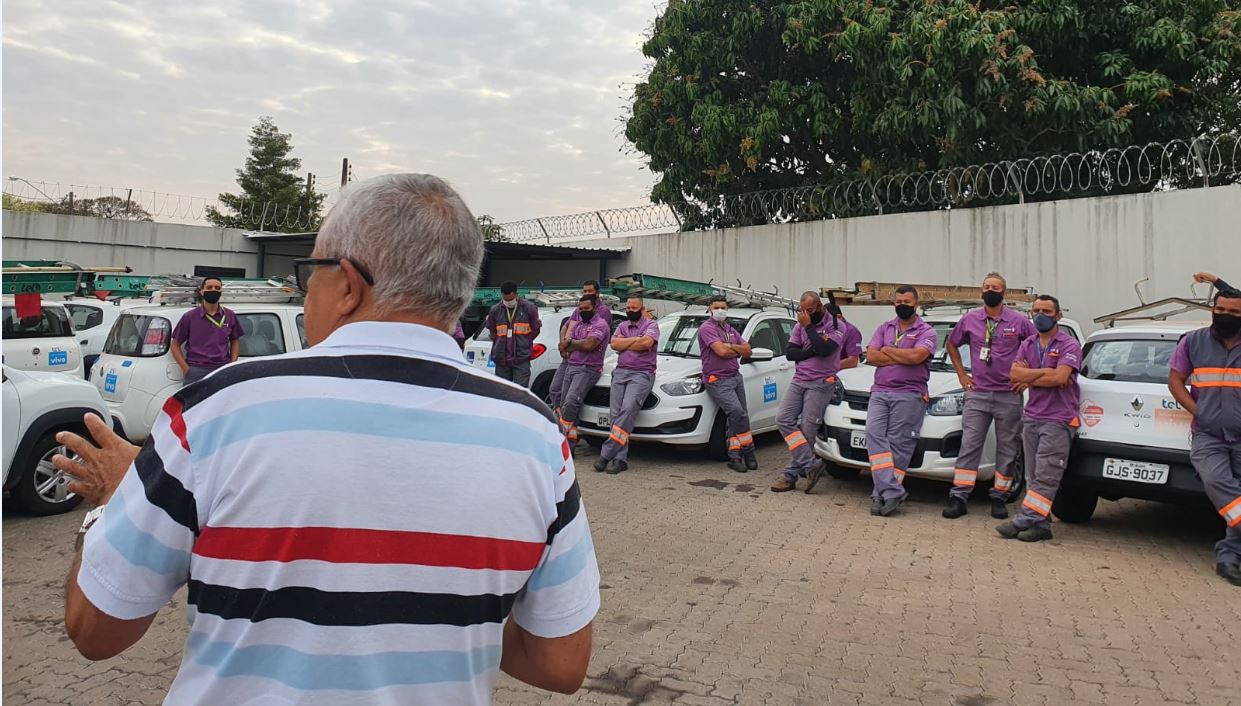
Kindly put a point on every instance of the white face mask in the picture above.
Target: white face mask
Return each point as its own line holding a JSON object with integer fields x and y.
{"x": 510, "y": 304}
{"x": 719, "y": 315}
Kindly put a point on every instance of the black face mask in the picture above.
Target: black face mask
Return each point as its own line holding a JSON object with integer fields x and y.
{"x": 211, "y": 297}
{"x": 1226, "y": 325}
{"x": 587, "y": 315}
{"x": 905, "y": 311}
{"x": 993, "y": 298}
{"x": 633, "y": 315}
{"x": 816, "y": 317}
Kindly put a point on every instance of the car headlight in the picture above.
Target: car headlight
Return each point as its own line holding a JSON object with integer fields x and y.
{"x": 838, "y": 393}
{"x": 949, "y": 405}
{"x": 691, "y": 385}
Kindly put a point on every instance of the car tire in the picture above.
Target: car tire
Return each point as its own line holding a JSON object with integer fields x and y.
{"x": 542, "y": 388}
{"x": 717, "y": 445}
{"x": 36, "y": 471}
{"x": 1074, "y": 505}
{"x": 840, "y": 472}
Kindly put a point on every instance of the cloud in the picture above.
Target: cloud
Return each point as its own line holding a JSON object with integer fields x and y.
{"x": 514, "y": 101}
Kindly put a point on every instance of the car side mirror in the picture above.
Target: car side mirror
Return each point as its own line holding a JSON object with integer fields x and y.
{"x": 759, "y": 355}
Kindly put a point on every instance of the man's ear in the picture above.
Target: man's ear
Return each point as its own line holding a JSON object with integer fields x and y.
{"x": 353, "y": 289}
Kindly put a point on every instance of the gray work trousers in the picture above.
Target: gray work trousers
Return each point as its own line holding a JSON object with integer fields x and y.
{"x": 981, "y": 409}
{"x": 578, "y": 379}
{"x": 1218, "y": 464}
{"x": 1047, "y": 453}
{"x": 729, "y": 394}
{"x": 196, "y": 373}
{"x": 893, "y": 426}
{"x": 553, "y": 393}
{"x": 801, "y": 413}
{"x": 518, "y": 373}
{"x": 629, "y": 390}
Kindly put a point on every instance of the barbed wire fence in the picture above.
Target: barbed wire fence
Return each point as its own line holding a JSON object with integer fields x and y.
{"x": 1175, "y": 164}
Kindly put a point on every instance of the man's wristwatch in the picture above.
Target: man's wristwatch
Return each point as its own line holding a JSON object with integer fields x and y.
{"x": 90, "y": 519}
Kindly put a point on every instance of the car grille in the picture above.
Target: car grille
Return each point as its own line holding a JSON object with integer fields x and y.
{"x": 859, "y": 401}
{"x": 601, "y": 397}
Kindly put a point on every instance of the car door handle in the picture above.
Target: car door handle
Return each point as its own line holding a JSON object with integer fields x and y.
{"x": 784, "y": 366}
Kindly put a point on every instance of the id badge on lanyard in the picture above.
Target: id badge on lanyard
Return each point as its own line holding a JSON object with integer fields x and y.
{"x": 984, "y": 353}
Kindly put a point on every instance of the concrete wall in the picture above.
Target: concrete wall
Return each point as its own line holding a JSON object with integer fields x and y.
{"x": 1089, "y": 252}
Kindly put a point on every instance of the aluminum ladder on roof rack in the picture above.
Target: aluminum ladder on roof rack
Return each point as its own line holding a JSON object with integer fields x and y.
{"x": 269, "y": 292}
{"x": 1136, "y": 313}
{"x": 691, "y": 292}
{"x": 930, "y": 296}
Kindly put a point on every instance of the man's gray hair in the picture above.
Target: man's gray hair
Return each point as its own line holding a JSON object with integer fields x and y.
{"x": 996, "y": 275}
{"x": 417, "y": 238}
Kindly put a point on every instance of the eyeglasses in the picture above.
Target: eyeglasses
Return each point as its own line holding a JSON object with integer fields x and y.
{"x": 305, "y": 267}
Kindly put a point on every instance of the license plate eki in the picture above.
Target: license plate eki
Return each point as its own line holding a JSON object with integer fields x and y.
{"x": 1136, "y": 471}
{"x": 857, "y": 439}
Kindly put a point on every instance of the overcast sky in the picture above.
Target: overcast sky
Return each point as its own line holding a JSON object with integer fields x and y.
{"x": 515, "y": 102}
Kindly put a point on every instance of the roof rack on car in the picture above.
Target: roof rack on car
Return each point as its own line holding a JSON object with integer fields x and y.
{"x": 691, "y": 292}
{"x": 930, "y": 296}
{"x": 273, "y": 291}
{"x": 1151, "y": 311}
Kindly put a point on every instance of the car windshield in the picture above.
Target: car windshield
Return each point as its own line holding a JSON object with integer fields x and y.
{"x": 678, "y": 335}
{"x": 1141, "y": 360}
{"x": 940, "y": 362}
{"x": 139, "y": 336}
{"x": 52, "y": 323}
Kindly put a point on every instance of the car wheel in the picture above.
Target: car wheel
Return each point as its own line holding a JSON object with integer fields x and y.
{"x": 841, "y": 472}
{"x": 717, "y": 446}
{"x": 43, "y": 489}
{"x": 542, "y": 388}
{"x": 1074, "y": 505}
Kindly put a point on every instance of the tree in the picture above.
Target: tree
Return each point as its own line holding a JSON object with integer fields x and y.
{"x": 113, "y": 207}
{"x": 745, "y": 96}
{"x": 273, "y": 195}
{"x": 13, "y": 203}
{"x": 492, "y": 232}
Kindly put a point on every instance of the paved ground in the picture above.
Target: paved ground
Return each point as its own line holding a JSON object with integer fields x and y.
{"x": 717, "y": 591}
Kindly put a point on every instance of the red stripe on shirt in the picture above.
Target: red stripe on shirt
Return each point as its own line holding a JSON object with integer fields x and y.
{"x": 173, "y": 409}
{"x": 367, "y": 546}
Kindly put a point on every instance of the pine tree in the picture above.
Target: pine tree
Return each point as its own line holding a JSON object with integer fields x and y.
{"x": 273, "y": 195}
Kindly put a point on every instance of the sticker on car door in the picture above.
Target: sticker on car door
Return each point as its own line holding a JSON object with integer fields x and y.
{"x": 109, "y": 382}
{"x": 57, "y": 357}
{"x": 769, "y": 390}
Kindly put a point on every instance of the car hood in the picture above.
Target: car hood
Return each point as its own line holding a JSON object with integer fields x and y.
{"x": 861, "y": 378}
{"x": 669, "y": 368}
{"x": 48, "y": 378}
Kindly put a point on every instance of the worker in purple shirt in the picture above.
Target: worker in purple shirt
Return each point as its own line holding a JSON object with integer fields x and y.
{"x": 902, "y": 350}
{"x": 458, "y": 335}
{"x": 1047, "y": 366}
{"x": 851, "y": 351}
{"x": 636, "y": 341}
{"x": 207, "y": 337}
{"x": 994, "y": 335}
{"x": 514, "y": 324}
{"x": 590, "y": 288}
{"x": 586, "y": 345}
{"x": 721, "y": 348}
{"x": 1209, "y": 361}
{"x": 814, "y": 346}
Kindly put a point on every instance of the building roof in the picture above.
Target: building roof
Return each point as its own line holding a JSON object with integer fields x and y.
{"x": 503, "y": 251}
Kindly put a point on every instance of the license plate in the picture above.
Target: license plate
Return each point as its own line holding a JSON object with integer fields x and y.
{"x": 1136, "y": 471}
{"x": 605, "y": 421}
{"x": 858, "y": 439}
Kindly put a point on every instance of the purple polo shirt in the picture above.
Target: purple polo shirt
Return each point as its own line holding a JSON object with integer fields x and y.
{"x": 818, "y": 368}
{"x": 853, "y": 340}
{"x": 1053, "y": 404}
{"x": 459, "y": 333}
{"x": 207, "y": 340}
{"x": 713, "y": 365}
{"x": 640, "y": 361}
{"x": 597, "y": 328}
{"x": 904, "y": 378}
{"x": 1008, "y": 332}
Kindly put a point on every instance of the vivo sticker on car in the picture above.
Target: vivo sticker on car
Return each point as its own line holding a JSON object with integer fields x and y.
{"x": 126, "y": 363}
{"x": 769, "y": 389}
{"x": 57, "y": 357}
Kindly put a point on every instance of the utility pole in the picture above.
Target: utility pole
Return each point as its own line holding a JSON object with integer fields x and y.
{"x": 71, "y": 203}
{"x": 346, "y": 172}
{"x": 310, "y": 183}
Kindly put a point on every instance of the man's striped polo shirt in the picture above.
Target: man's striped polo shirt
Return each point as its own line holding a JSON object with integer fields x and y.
{"x": 354, "y": 523}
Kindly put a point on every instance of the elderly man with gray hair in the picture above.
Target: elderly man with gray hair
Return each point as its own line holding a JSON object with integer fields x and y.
{"x": 370, "y": 520}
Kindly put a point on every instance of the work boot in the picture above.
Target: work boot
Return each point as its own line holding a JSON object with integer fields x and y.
{"x": 813, "y": 475}
{"x": 751, "y": 461}
{"x": 1037, "y": 533}
{"x": 956, "y": 508}
{"x": 618, "y": 467}
{"x": 1007, "y": 530}
{"x": 737, "y": 465}
{"x": 875, "y": 506}
{"x": 999, "y": 508}
{"x": 782, "y": 486}
{"x": 601, "y": 464}
{"x": 1230, "y": 572}
{"x": 889, "y": 506}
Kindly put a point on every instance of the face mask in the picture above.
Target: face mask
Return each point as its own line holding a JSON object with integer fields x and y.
{"x": 816, "y": 317}
{"x": 633, "y": 315}
{"x": 510, "y": 304}
{"x": 905, "y": 311}
{"x": 719, "y": 315}
{"x": 211, "y": 297}
{"x": 1044, "y": 323}
{"x": 1226, "y": 325}
{"x": 992, "y": 298}
{"x": 587, "y": 315}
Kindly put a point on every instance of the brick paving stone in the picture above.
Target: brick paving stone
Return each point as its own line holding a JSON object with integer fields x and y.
{"x": 741, "y": 596}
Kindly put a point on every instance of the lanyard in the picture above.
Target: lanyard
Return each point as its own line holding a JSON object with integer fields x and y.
{"x": 218, "y": 324}
{"x": 900, "y": 335}
{"x": 992, "y": 325}
{"x": 511, "y": 314}
{"x": 1042, "y": 352}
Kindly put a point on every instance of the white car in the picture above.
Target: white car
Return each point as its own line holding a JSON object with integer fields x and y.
{"x": 545, "y": 355}
{"x": 842, "y": 438}
{"x": 678, "y": 411}
{"x": 136, "y": 373}
{"x": 1134, "y": 437}
{"x": 92, "y": 321}
{"x": 42, "y": 343}
{"x": 38, "y": 405}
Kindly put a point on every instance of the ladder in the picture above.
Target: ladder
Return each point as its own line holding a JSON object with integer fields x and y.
{"x": 691, "y": 292}
{"x": 235, "y": 291}
{"x": 555, "y": 297}
{"x": 930, "y": 296}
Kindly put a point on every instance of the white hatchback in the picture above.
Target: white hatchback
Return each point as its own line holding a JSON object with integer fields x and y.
{"x": 136, "y": 373}
{"x": 678, "y": 411}
{"x": 92, "y": 321}
{"x": 842, "y": 438}
{"x": 42, "y": 343}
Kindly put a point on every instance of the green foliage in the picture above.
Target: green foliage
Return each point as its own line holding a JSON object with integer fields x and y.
{"x": 13, "y": 203}
{"x": 273, "y": 194}
{"x": 492, "y": 232}
{"x": 113, "y": 207}
{"x": 751, "y": 95}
